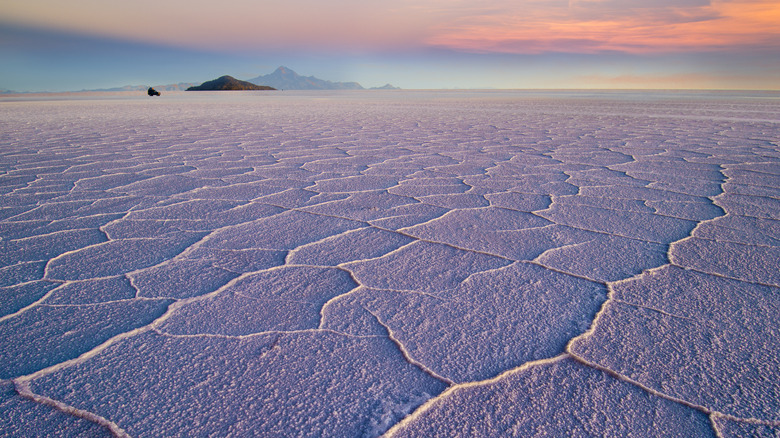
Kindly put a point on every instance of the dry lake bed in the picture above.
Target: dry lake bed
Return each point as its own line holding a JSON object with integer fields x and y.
{"x": 399, "y": 263}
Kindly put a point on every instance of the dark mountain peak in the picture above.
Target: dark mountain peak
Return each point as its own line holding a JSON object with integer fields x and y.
{"x": 230, "y": 83}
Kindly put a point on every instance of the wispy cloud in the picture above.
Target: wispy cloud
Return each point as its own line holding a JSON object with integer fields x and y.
{"x": 592, "y": 26}
{"x": 233, "y": 24}
{"x": 506, "y": 26}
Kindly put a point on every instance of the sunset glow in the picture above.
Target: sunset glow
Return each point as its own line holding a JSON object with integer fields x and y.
{"x": 360, "y": 32}
{"x": 579, "y": 28}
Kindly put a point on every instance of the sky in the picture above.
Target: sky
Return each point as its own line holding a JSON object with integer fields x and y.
{"x": 56, "y": 45}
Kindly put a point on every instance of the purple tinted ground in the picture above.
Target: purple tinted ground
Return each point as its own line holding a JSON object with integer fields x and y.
{"x": 402, "y": 263}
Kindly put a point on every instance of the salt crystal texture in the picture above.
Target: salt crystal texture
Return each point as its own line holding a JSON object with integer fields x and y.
{"x": 496, "y": 263}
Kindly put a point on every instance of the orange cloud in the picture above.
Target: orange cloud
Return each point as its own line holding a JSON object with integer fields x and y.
{"x": 506, "y": 26}
{"x": 594, "y": 26}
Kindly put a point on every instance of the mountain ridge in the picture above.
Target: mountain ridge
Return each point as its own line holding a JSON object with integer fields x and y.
{"x": 284, "y": 78}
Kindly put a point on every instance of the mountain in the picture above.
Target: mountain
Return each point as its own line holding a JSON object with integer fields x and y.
{"x": 228, "y": 83}
{"x": 385, "y": 87}
{"x": 285, "y": 79}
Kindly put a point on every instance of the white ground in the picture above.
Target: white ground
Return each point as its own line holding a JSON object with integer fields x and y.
{"x": 411, "y": 263}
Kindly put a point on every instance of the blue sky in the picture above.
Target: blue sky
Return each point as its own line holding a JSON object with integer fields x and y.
{"x": 49, "y": 45}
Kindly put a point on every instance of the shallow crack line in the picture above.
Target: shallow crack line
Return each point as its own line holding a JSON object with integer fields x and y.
{"x": 34, "y": 280}
{"x": 612, "y": 210}
{"x": 653, "y": 309}
{"x": 541, "y": 227}
{"x": 97, "y": 350}
{"x": 562, "y": 247}
{"x": 447, "y": 213}
{"x": 688, "y": 218}
{"x": 468, "y": 278}
{"x": 263, "y": 333}
{"x": 733, "y": 242}
{"x": 344, "y": 265}
{"x": 100, "y": 303}
{"x": 272, "y": 300}
{"x": 49, "y": 234}
{"x": 179, "y": 303}
{"x": 737, "y": 215}
{"x": 316, "y": 213}
{"x": 603, "y": 233}
{"x": 71, "y": 252}
{"x": 405, "y": 352}
{"x": 291, "y": 252}
{"x": 410, "y": 291}
{"x": 23, "y": 389}
{"x": 396, "y": 216}
{"x": 533, "y": 212}
{"x": 651, "y": 391}
{"x": 649, "y": 186}
{"x": 736, "y": 242}
{"x": 748, "y": 195}
{"x": 450, "y": 245}
{"x": 558, "y": 271}
{"x": 36, "y": 303}
{"x": 715, "y": 274}
{"x": 304, "y": 209}
{"x": 466, "y": 385}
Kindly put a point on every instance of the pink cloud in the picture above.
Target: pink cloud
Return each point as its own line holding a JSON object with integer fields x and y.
{"x": 589, "y": 26}
{"x": 507, "y": 26}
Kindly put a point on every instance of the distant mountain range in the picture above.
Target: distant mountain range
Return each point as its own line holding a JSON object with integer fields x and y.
{"x": 284, "y": 78}
{"x": 385, "y": 87}
{"x": 228, "y": 83}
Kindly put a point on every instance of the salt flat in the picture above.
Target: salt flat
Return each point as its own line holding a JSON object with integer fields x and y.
{"x": 408, "y": 263}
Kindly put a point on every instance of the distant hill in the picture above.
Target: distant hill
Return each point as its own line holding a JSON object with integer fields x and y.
{"x": 228, "y": 83}
{"x": 385, "y": 87}
{"x": 285, "y": 79}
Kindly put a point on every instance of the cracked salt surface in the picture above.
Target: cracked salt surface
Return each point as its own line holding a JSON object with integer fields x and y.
{"x": 407, "y": 263}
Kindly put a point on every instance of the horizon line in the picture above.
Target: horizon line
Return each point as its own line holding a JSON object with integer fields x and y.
{"x": 119, "y": 90}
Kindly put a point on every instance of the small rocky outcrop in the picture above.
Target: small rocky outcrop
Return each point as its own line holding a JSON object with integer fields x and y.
{"x": 228, "y": 83}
